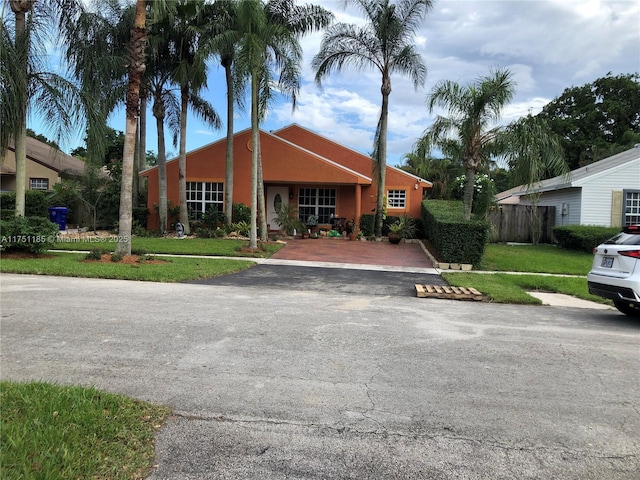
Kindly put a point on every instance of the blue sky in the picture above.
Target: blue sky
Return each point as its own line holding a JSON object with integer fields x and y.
{"x": 549, "y": 45}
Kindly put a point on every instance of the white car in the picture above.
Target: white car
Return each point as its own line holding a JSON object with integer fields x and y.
{"x": 615, "y": 273}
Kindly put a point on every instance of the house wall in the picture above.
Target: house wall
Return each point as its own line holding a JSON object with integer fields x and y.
{"x": 286, "y": 164}
{"x": 33, "y": 170}
{"x": 395, "y": 179}
{"x": 597, "y": 193}
{"x": 571, "y": 197}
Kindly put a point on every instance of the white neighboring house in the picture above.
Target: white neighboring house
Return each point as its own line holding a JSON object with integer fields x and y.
{"x": 606, "y": 192}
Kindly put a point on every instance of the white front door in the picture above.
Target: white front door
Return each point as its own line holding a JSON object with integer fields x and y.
{"x": 276, "y": 197}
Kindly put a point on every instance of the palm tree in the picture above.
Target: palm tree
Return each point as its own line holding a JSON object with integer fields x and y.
{"x": 190, "y": 74}
{"x": 136, "y": 68}
{"x": 95, "y": 51}
{"x": 25, "y": 83}
{"x": 533, "y": 153}
{"x": 224, "y": 38}
{"x": 386, "y": 44}
{"x": 470, "y": 127}
{"x": 261, "y": 45}
{"x": 298, "y": 20}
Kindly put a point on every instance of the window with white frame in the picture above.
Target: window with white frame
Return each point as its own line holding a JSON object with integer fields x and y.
{"x": 631, "y": 212}
{"x": 202, "y": 195}
{"x": 396, "y": 199}
{"x": 38, "y": 184}
{"x": 320, "y": 202}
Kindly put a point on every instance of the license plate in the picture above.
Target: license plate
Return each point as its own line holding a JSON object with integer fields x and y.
{"x": 607, "y": 262}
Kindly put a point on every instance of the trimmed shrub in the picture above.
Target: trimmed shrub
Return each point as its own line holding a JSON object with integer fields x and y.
{"x": 583, "y": 237}
{"x": 367, "y": 224}
{"x": 35, "y": 204}
{"x": 28, "y": 234}
{"x": 240, "y": 213}
{"x": 456, "y": 240}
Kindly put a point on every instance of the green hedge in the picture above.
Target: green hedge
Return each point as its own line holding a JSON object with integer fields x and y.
{"x": 583, "y": 237}
{"x": 31, "y": 234}
{"x": 456, "y": 240}
{"x": 36, "y": 204}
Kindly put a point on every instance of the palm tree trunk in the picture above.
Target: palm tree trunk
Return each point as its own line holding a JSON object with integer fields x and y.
{"x": 228, "y": 188}
{"x": 467, "y": 198}
{"x": 136, "y": 70}
{"x": 255, "y": 132}
{"x": 21, "y": 163}
{"x": 159, "y": 113}
{"x": 141, "y": 147}
{"x": 182, "y": 162}
{"x": 261, "y": 203}
{"x": 20, "y": 132}
{"x": 382, "y": 157}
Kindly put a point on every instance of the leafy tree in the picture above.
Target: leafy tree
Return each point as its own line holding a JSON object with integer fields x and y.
{"x": 597, "y": 119}
{"x": 386, "y": 44}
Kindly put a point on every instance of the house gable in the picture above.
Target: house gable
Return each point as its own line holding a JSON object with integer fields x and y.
{"x": 43, "y": 162}
{"x": 341, "y": 154}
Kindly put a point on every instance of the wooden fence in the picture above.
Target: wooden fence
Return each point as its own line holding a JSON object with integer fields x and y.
{"x": 513, "y": 223}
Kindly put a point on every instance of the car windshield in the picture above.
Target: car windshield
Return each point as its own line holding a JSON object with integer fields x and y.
{"x": 624, "y": 239}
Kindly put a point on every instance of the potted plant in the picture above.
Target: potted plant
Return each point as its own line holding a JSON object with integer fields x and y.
{"x": 312, "y": 223}
{"x": 350, "y": 228}
{"x": 402, "y": 228}
{"x": 287, "y": 218}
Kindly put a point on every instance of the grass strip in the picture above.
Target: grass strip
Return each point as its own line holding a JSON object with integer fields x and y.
{"x": 51, "y": 431}
{"x": 218, "y": 247}
{"x": 535, "y": 259}
{"x": 507, "y": 288}
{"x": 174, "y": 269}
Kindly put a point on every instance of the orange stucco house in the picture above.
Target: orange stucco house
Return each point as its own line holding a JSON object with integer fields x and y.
{"x": 320, "y": 176}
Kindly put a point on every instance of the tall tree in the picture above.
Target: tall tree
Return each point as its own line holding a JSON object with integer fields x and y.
{"x": 26, "y": 85}
{"x": 297, "y": 20}
{"x": 264, "y": 45}
{"x": 96, "y": 52}
{"x": 472, "y": 115}
{"x": 533, "y": 153}
{"x": 597, "y": 119}
{"x": 136, "y": 68}
{"x": 224, "y": 39}
{"x": 190, "y": 73}
{"x": 159, "y": 84}
{"x": 385, "y": 43}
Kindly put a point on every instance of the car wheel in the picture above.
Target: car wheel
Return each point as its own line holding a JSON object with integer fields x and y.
{"x": 627, "y": 308}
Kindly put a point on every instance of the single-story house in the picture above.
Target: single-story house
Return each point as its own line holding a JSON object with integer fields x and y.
{"x": 45, "y": 167}
{"x": 320, "y": 176}
{"x": 606, "y": 192}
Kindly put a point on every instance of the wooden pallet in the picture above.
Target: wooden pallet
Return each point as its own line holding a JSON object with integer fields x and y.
{"x": 441, "y": 291}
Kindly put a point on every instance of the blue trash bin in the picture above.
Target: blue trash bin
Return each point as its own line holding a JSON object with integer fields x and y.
{"x": 59, "y": 215}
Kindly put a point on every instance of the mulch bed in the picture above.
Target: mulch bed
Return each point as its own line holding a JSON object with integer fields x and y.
{"x": 126, "y": 259}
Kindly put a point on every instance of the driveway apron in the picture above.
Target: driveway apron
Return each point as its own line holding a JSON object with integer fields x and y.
{"x": 339, "y": 266}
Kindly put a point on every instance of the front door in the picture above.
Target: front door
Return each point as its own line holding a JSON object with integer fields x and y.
{"x": 276, "y": 197}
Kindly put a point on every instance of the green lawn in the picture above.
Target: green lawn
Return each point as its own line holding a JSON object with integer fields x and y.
{"x": 509, "y": 288}
{"x": 535, "y": 259}
{"x": 51, "y": 432}
{"x": 188, "y": 246}
{"x": 173, "y": 269}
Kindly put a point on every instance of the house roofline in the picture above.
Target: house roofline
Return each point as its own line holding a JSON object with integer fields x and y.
{"x": 294, "y": 124}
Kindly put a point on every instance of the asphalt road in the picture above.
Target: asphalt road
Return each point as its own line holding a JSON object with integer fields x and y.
{"x": 276, "y": 383}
